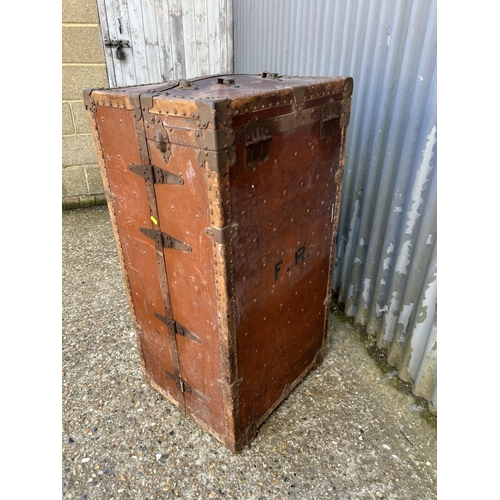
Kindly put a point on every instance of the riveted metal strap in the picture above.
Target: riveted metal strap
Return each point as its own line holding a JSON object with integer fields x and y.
{"x": 257, "y": 137}
{"x": 222, "y": 235}
{"x": 89, "y": 102}
{"x": 217, "y": 160}
{"x": 230, "y": 389}
{"x": 331, "y": 112}
{"x": 299, "y": 93}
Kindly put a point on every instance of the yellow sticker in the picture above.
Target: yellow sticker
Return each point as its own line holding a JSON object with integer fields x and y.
{"x": 155, "y": 222}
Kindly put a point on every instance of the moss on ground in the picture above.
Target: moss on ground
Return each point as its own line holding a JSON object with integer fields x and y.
{"x": 380, "y": 357}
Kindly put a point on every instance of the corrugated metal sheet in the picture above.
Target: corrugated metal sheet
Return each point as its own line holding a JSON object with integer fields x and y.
{"x": 386, "y": 252}
{"x": 167, "y": 39}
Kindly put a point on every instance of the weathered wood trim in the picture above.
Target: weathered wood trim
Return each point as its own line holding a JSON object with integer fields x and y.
{"x": 339, "y": 175}
{"x": 220, "y": 214}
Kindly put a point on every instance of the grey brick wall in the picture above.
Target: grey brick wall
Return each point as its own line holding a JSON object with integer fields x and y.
{"x": 83, "y": 65}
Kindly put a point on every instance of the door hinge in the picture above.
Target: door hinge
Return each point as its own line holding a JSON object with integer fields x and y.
{"x": 178, "y": 328}
{"x": 165, "y": 240}
{"x": 156, "y": 175}
{"x": 185, "y": 387}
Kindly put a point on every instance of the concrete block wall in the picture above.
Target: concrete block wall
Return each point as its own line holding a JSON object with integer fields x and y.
{"x": 83, "y": 65}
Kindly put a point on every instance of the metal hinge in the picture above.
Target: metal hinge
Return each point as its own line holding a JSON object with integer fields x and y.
{"x": 185, "y": 387}
{"x": 178, "y": 328}
{"x": 156, "y": 175}
{"x": 165, "y": 240}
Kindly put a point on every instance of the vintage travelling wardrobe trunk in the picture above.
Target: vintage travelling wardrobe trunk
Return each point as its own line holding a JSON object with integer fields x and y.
{"x": 224, "y": 196}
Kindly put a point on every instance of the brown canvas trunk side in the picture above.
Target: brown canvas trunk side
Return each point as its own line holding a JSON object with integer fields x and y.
{"x": 284, "y": 207}
{"x": 233, "y": 314}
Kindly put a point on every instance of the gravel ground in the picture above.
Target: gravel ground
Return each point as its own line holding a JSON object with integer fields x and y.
{"x": 347, "y": 431}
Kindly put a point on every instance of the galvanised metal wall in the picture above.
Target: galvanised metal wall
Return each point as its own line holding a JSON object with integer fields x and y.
{"x": 386, "y": 252}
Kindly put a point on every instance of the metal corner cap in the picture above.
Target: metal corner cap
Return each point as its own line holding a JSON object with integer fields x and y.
{"x": 222, "y": 235}
{"x": 349, "y": 85}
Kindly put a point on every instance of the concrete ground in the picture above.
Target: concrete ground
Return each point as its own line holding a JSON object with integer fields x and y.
{"x": 347, "y": 431}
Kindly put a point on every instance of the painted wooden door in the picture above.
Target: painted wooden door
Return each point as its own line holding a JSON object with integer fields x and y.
{"x": 149, "y": 41}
